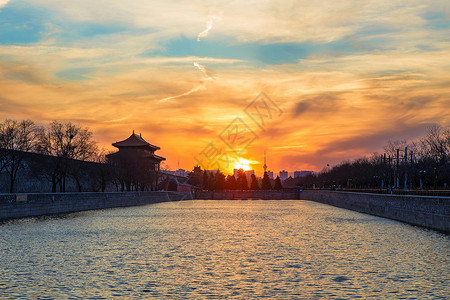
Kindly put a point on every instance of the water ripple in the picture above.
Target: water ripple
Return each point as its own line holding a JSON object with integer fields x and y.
{"x": 222, "y": 249}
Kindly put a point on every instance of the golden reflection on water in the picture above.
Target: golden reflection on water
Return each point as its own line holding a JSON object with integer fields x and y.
{"x": 222, "y": 249}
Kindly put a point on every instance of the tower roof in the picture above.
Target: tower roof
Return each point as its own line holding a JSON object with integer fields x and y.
{"x": 135, "y": 141}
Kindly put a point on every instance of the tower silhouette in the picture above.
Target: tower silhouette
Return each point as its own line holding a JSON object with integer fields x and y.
{"x": 265, "y": 166}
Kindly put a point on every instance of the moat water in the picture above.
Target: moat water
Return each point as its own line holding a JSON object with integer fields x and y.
{"x": 222, "y": 249}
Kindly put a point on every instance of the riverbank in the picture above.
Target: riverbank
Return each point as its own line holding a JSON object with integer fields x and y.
{"x": 14, "y": 206}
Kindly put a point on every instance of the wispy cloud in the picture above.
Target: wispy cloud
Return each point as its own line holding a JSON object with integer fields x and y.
{"x": 206, "y": 72}
{"x": 208, "y": 76}
{"x": 183, "y": 94}
{"x": 119, "y": 120}
{"x": 209, "y": 26}
{"x": 340, "y": 70}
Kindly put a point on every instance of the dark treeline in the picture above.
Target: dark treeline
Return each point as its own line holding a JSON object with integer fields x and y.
{"x": 62, "y": 152}
{"x": 421, "y": 164}
{"x": 216, "y": 181}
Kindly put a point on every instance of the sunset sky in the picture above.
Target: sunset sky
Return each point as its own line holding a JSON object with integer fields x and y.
{"x": 344, "y": 76}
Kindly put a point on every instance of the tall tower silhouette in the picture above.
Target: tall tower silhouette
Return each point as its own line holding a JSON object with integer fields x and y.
{"x": 265, "y": 166}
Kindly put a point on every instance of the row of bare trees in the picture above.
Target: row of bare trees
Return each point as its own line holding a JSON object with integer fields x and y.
{"x": 64, "y": 143}
{"x": 16, "y": 138}
{"x": 419, "y": 164}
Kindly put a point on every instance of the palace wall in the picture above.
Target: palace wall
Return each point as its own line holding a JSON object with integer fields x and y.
{"x": 35, "y": 176}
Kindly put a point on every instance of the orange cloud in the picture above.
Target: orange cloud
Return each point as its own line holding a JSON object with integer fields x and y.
{"x": 336, "y": 105}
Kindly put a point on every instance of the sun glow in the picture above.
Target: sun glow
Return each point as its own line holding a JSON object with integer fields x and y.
{"x": 243, "y": 164}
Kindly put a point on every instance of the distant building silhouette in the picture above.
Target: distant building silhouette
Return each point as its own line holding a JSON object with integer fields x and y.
{"x": 247, "y": 173}
{"x": 270, "y": 174}
{"x": 211, "y": 172}
{"x": 290, "y": 182}
{"x": 182, "y": 173}
{"x": 179, "y": 172}
{"x": 284, "y": 175}
{"x": 174, "y": 184}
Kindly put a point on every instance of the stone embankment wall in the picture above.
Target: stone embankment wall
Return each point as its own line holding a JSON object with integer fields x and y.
{"x": 429, "y": 212}
{"x": 14, "y": 206}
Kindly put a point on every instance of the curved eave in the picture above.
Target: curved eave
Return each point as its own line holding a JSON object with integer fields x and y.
{"x": 135, "y": 141}
{"x": 159, "y": 157}
{"x": 129, "y": 145}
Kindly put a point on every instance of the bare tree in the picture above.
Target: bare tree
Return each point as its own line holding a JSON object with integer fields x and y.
{"x": 103, "y": 171}
{"x": 16, "y": 139}
{"x": 423, "y": 164}
{"x": 66, "y": 142}
{"x": 437, "y": 143}
{"x": 393, "y": 145}
{"x": 435, "y": 160}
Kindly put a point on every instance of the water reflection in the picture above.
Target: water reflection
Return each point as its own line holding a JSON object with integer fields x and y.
{"x": 218, "y": 249}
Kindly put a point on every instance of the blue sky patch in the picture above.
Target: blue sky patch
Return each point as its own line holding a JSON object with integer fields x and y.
{"x": 75, "y": 73}
{"x": 279, "y": 53}
{"x": 75, "y": 31}
{"x": 437, "y": 20}
{"x": 22, "y": 23}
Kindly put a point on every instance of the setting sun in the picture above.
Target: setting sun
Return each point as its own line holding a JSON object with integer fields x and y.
{"x": 243, "y": 164}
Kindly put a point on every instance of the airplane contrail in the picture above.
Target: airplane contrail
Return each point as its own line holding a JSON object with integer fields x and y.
{"x": 205, "y": 72}
{"x": 208, "y": 74}
{"x": 204, "y": 33}
{"x": 184, "y": 94}
{"x": 209, "y": 26}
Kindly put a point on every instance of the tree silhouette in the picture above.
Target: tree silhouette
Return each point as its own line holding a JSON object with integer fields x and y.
{"x": 230, "y": 183}
{"x": 16, "y": 138}
{"x": 196, "y": 176}
{"x": 219, "y": 181}
{"x": 424, "y": 163}
{"x": 254, "y": 183}
{"x": 266, "y": 185}
{"x": 277, "y": 185}
{"x": 242, "y": 183}
{"x": 67, "y": 142}
{"x": 103, "y": 172}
